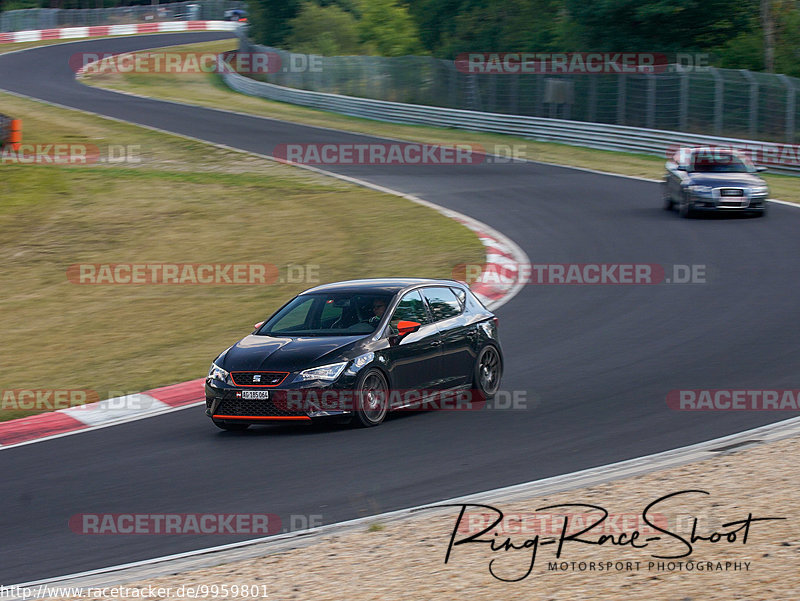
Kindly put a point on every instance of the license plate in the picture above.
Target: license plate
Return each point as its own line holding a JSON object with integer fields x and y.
{"x": 731, "y": 193}
{"x": 255, "y": 395}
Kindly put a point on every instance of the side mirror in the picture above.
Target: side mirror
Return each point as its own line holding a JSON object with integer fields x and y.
{"x": 258, "y": 325}
{"x": 760, "y": 168}
{"x": 404, "y": 328}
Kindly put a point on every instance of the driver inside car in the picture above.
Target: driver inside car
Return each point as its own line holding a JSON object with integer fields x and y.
{"x": 378, "y": 309}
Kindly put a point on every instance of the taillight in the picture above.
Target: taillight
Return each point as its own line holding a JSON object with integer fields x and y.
{"x": 496, "y": 323}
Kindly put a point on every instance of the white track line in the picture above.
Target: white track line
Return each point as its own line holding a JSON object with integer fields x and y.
{"x": 123, "y": 420}
{"x": 389, "y": 138}
{"x": 473, "y": 224}
{"x": 640, "y": 465}
{"x": 213, "y": 556}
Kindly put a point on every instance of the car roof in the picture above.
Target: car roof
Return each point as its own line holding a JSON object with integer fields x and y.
{"x": 715, "y": 150}
{"x": 379, "y": 285}
{"x": 684, "y": 154}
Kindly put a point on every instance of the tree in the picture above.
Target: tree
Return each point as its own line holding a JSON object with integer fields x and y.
{"x": 745, "y": 51}
{"x": 787, "y": 47}
{"x": 435, "y": 20}
{"x": 386, "y": 28}
{"x": 269, "y": 20}
{"x": 656, "y": 25}
{"x": 768, "y": 25}
{"x": 325, "y": 30}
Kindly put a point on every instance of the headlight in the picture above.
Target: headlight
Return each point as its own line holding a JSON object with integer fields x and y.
{"x": 701, "y": 190}
{"x": 217, "y": 373}
{"x": 325, "y": 372}
{"x": 759, "y": 190}
{"x": 360, "y": 362}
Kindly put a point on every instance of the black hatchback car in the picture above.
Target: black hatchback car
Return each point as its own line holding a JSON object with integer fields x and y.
{"x": 357, "y": 350}
{"x": 708, "y": 178}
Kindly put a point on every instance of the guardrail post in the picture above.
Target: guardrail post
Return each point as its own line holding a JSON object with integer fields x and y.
{"x": 538, "y": 95}
{"x": 753, "y": 125}
{"x": 651, "y": 101}
{"x": 719, "y": 90}
{"x": 513, "y": 105}
{"x": 593, "y": 135}
{"x": 791, "y": 104}
{"x": 452, "y": 78}
{"x": 591, "y": 111}
{"x": 493, "y": 93}
{"x": 684, "y": 102}
{"x": 16, "y": 134}
{"x": 473, "y": 93}
{"x": 621, "y": 99}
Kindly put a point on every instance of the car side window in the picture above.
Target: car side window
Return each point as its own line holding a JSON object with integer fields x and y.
{"x": 462, "y": 296}
{"x": 443, "y": 303}
{"x": 410, "y": 308}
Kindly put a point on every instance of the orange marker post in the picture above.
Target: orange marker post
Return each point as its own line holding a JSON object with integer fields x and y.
{"x": 16, "y": 134}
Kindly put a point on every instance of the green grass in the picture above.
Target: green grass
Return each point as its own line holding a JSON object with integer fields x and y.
{"x": 209, "y": 90}
{"x": 184, "y": 202}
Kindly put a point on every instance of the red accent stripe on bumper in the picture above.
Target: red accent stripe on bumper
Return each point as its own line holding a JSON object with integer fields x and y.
{"x": 266, "y": 417}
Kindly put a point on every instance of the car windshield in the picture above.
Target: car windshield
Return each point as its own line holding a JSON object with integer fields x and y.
{"x": 720, "y": 163}
{"x": 328, "y": 314}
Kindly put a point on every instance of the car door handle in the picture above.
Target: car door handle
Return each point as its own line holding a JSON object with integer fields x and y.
{"x": 436, "y": 343}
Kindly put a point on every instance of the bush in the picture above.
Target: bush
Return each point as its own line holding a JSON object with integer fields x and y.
{"x": 325, "y": 30}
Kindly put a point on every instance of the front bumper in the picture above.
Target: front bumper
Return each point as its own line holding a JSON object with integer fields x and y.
{"x": 715, "y": 202}
{"x": 301, "y": 401}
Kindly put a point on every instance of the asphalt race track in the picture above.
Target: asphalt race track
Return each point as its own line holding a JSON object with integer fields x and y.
{"x": 598, "y": 360}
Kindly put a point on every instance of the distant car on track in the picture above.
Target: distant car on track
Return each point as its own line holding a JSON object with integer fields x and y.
{"x": 713, "y": 179}
{"x": 237, "y": 14}
{"x": 368, "y": 338}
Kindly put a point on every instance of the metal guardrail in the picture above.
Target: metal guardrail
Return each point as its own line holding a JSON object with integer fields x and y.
{"x": 53, "y": 18}
{"x": 703, "y": 100}
{"x": 578, "y": 133}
